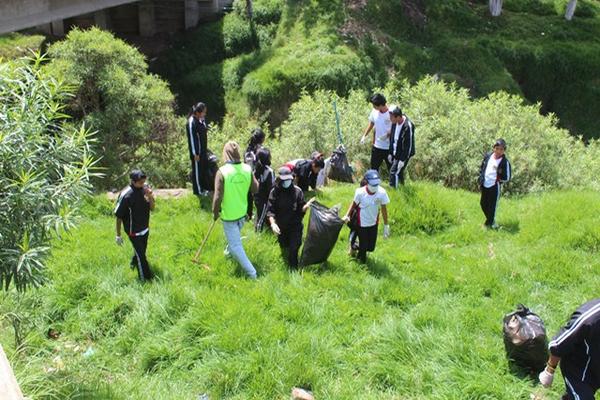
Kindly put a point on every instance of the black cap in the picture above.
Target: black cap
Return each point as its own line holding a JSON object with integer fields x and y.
{"x": 137, "y": 175}
{"x": 500, "y": 142}
{"x": 285, "y": 174}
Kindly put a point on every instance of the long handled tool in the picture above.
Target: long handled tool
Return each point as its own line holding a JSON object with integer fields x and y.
{"x": 195, "y": 259}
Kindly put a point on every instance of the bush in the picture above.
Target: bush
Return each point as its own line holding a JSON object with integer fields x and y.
{"x": 45, "y": 169}
{"x": 131, "y": 109}
{"x": 452, "y": 134}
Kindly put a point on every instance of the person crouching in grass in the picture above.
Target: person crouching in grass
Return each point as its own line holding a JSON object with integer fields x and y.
{"x": 494, "y": 171}
{"x": 368, "y": 200}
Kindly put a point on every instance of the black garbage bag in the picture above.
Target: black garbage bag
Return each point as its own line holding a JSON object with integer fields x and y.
{"x": 323, "y": 230}
{"x": 525, "y": 339}
{"x": 212, "y": 166}
{"x": 339, "y": 169}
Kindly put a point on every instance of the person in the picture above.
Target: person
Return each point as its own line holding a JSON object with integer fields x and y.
{"x": 367, "y": 202}
{"x": 322, "y": 179}
{"x": 266, "y": 179}
{"x": 576, "y": 347}
{"x": 197, "y": 145}
{"x": 380, "y": 120}
{"x": 133, "y": 212}
{"x": 230, "y": 202}
{"x": 495, "y": 170}
{"x": 285, "y": 210}
{"x": 402, "y": 145}
{"x": 254, "y": 145}
{"x": 306, "y": 172}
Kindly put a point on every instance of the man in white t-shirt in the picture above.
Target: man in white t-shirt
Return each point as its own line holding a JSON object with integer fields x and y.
{"x": 380, "y": 120}
{"x": 495, "y": 170}
{"x": 368, "y": 199}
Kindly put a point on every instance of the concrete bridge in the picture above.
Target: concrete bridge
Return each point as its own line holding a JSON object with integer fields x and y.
{"x": 141, "y": 17}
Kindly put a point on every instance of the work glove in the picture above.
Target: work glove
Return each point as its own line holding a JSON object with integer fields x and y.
{"x": 400, "y": 164}
{"x": 346, "y": 218}
{"x": 119, "y": 240}
{"x": 275, "y": 229}
{"x": 390, "y": 158}
{"x": 386, "y": 231}
{"x": 363, "y": 140}
{"x": 546, "y": 378}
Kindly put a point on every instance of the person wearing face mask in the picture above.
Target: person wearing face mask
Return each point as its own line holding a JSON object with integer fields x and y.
{"x": 133, "y": 212}
{"x": 368, "y": 200}
{"x": 285, "y": 210}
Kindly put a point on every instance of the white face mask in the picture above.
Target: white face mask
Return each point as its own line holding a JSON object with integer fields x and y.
{"x": 372, "y": 189}
{"x": 286, "y": 184}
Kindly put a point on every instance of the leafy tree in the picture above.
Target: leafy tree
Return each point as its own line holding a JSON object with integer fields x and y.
{"x": 45, "y": 169}
{"x": 131, "y": 109}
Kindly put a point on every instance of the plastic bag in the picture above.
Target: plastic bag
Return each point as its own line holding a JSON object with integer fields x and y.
{"x": 323, "y": 230}
{"x": 525, "y": 339}
{"x": 339, "y": 169}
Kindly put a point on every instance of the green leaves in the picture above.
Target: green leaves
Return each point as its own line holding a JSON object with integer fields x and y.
{"x": 45, "y": 169}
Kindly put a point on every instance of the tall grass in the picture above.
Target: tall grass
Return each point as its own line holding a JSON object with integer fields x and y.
{"x": 421, "y": 320}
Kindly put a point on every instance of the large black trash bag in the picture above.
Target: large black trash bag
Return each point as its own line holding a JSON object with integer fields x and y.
{"x": 525, "y": 340}
{"x": 323, "y": 230}
{"x": 212, "y": 165}
{"x": 339, "y": 169}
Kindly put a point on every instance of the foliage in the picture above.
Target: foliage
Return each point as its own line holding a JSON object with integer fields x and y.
{"x": 15, "y": 45}
{"x": 45, "y": 169}
{"x": 421, "y": 320}
{"x": 452, "y": 134}
{"x": 131, "y": 109}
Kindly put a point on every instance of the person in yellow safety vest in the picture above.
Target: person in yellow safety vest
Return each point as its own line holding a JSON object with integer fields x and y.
{"x": 233, "y": 182}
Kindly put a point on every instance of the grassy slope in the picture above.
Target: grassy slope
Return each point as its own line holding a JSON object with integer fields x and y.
{"x": 422, "y": 320}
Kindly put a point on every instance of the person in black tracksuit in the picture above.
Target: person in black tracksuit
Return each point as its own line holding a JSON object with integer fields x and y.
{"x": 133, "y": 212}
{"x": 254, "y": 145}
{"x": 495, "y": 170}
{"x": 306, "y": 172}
{"x": 285, "y": 210}
{"x": 577, "y": 348}
{"x": 402, "y": 145}
{"x": 197, "y": 143}
{"x": 266, "y": 178}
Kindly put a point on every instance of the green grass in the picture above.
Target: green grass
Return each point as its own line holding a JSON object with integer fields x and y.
{"x": 15, "y": 45}
{"x": 421, "y": 320}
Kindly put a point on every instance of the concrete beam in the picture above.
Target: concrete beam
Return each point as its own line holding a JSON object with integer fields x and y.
{"x": 147, "y": 21}
{"x": 22, "y": 14}
{"x": 102, "y": 19}
{"x": 192, "y": 13}
{"x": 58, "y": 27}
{"x": 9, "y": 388}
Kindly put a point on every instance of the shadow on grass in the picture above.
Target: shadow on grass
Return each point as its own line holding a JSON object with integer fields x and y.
{"x": 377, "y": 268}
{"x": 511, "y": 227}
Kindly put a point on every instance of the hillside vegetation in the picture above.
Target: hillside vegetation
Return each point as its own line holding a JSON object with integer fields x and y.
{"x": 257, "y": 70}
{"x": 421, "y": 320}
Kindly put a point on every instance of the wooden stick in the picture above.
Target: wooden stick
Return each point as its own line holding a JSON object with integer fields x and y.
{"x": 195, "y": 259}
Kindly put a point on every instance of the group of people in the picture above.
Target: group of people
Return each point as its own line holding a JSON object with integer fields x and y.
{"x": 247, "y": 182}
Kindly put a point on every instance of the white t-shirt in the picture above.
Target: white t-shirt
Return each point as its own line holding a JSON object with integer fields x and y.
{"x": 396, "y": 134}
{"x": 323, "y": 173}
{"x": 368, "y": 205}
{"x": 491, "y": 171}
{"x": 383, "y": 124}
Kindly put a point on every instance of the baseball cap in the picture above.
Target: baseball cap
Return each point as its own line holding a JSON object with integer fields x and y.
{"x": 285, "y": 174}
{"x": 137, "y": 175}
{"x": 372, "y": 177}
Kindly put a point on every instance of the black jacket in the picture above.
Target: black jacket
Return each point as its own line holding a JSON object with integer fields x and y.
{"x": 405, "y": 147}
{"x": 285, "y": 205}
{"x": 197, "y": 138}
{"x": 133, "y": 209}
{"x": 578, "y": 344}
{"x": 504, "y": 170}
{"x": 304, "y": 174}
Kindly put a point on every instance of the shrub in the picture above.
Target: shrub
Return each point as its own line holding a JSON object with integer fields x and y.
{"x": 452, "y": 134}
{"x": 45, "y": 169}
{"x": 131, "y": 109}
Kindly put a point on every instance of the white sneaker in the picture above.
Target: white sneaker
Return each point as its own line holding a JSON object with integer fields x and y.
{"x": 226, "y": 252}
